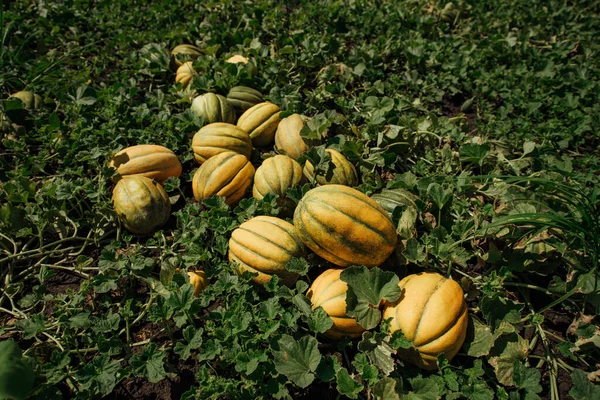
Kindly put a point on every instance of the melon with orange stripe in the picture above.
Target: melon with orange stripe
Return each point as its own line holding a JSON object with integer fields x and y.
{"x": 345, "y": 226}
{"x": 329, "y": 291}
{"x": 149, "y": 160}
{"x": 432, "y": 313}
{"x": 264, "y": 245}
{"x": 227, "y": 174}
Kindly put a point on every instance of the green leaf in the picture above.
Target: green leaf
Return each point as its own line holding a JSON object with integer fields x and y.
{"x": 297, "y": 265}
{"x": 526, "y": 378}
{"x": 346, "y": 385}
{"x": 368, "y": 372}
{"x": 474, "y": 153}
{"x": 16, "y": 374}
{"x": 439, "y": 195}
{"x": 149, "y": 364}
{"x": 366, "y": 289}
{"x": 479, "y": 340}
{"x": 297, "y": 359}
{"x": 328, "y": 368}
{"x": 100, "y": 376}
{"x": 193, "y": 337}
{"x": 424, "y": 389}
{"x": 497, "y": 310}
{"x": 582, "y": 388}
{"x": 507, "y": 350}
{"x": 377, "y": 347}
{"x": 319, "y": 321}
{"x": 385, "y": 389}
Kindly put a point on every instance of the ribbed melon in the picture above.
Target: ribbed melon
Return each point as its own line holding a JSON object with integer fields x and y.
{"x": 142, "y": 204}
{"x": 264, "y": 245}
{"x": 329, "y": 291}
{"x": 213, "y": 108}
{"x": 243, "y": 97}
{"x": 199, "y": 280}
{"x": 185, "y": 73}
{"x": 432, "y": 313}
{"x": 344, "y": 172}
{"x": 220, "y": 137}
{"x": 288, "y": 139}
{"x": 344, "y": 226}
{"x": 149, "y": 160}
{"x": 185, "y": 52}
{"x": 276, "y": 175}
{"x": 260, "y": 121}
{"x": 227, "y": 174}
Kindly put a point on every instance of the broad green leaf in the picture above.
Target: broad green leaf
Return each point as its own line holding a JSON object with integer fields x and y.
{"x": 582, "y": 388}
{"x": 366, "y": 289}
{"x": 508, "y": 349}
{"x": 385, "y": 389}
{"x": 16, "y": 374}
{"x": 149, "y": 364}
{"x": 319, "y": 321}
{"x": 346, "y": 385}
{"x": 439, "y": 195}
{"x": 297, "y": 359}
{"x": 424, "y": 389}
{"x": 101, "y": 375}
{"x": 479, "y": 340}
{"x": 193, "y": 337}
{"x": 377, "y": 347}
{"x": 527, "y": 378}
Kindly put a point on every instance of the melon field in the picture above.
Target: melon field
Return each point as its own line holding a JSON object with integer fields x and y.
{"x": 328, "y": 199}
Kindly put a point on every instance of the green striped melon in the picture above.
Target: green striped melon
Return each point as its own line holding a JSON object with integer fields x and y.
{"x": 220, "y": 137}
{"x": 345, "y": 226}
{"x": 264, "y": 245}
{"x": 243, "y": 97}
{"x": 227, "y": 174}
{"x": 213, "y": 108}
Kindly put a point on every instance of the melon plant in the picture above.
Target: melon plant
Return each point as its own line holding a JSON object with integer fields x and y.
{"x": 149, "y": 160}
{"x": 141, "y": 203}
{"x": 220, "y": 137}
{"x": 227, "y": 174}
{"x": 260, "y": 121}
{"x": 432, "y": 313}
{"x": 344, "y": 172}
{"x": 264, "y": 245}
{"x": 345, "y": 226}
{"x": 329, "y": 292}
{"x": 213, "y": 108}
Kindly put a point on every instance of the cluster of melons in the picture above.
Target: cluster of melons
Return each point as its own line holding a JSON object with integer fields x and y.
{"x": 335, "y": 221}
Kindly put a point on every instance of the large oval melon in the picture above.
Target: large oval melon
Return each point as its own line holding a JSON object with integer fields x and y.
{"x": 220, "y": 137}
{"x": 227, "y": 174}
{"x": 260, "y": 121}
{"x": 149, "y": 160}
{"x": 329, "y": 291}
{"x": 142, "y": 204}
{"x": 264, "y": 245}
{"x": 432, "y": 313}
{"x": 344, "y": 226}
